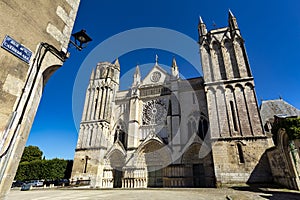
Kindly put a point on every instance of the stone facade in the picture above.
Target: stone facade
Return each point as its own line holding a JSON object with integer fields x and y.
{"x": 284, "y": 161}
{"x": 169, "y": 132}
{"x": 284, "y": 158}
{"x": 235, "y": 124}
{"x": 41, "y": 26}
{"x": 142, "y": 137}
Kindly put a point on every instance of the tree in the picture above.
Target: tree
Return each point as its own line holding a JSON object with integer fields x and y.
{"x": 32, "y": 166}
{"x": 291, "y": 126}
{"x": 44, "y": 169}
{"x": 31, "y": 153}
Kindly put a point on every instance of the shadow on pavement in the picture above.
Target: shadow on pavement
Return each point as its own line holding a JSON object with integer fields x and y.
{"x": 272, "y": 192}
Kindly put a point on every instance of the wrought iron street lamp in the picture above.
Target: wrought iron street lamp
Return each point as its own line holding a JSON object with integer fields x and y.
{"x": 81, "y": 39}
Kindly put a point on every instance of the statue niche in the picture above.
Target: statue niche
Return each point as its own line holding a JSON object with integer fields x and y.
{"x": 121, "y": 136}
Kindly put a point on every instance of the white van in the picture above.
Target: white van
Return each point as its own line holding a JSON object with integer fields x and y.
{"x": 36, "y": 183}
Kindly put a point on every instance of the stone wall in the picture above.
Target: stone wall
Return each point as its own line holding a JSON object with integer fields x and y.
{"x": 246, "y": 166}
{"x": 30, "y": 23}
{"x": 284, "y": 161}
{"x": 86, "y": 168}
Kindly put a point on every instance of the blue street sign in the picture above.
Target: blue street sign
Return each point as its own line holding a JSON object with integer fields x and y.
{"x": 16, "y": 48}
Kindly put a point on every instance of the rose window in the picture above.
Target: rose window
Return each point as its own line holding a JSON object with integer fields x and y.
{"x": 154, "y": 112}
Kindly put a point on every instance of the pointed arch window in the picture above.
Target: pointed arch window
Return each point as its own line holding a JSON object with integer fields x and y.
{"x": 233, "y": 116}
{"x": 103, "y": 72}
{"x": 229, "y": 48}
{"x": 203, "y": 127}
{"x": 199, "y": 127}
{"x": 220, "y": 60}
{"x": 111, "y": 72}
{"x": 91, "y": 138}
{"x": 96, "y": 102}
{"x": 85, "y": 159}
{"x": 170, "y": 109}
{"x": 240, "y": 152}
{"x": 192, "y": 127}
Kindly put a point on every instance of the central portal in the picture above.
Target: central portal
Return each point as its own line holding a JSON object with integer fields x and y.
{"x": 155, "y": 176}
{"x": 117, "y": 174}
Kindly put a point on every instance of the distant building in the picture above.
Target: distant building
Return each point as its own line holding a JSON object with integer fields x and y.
{"x": 279, "y": 108}
{"x": 169, "y": 132}
{"x": 34, "y": 37}
{"x": 284, "y": 157}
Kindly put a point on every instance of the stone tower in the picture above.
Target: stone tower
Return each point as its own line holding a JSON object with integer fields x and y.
{"x": 237, "y": 137}
{"x": 94, "y": 135}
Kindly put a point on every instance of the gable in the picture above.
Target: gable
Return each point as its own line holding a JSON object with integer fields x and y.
{"x": 157, "y": 75}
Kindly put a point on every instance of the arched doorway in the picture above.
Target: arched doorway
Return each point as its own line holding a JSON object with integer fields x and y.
{"x": 117, "y": 161}
{"x": 155, "y": 156}
{"x": 198, "y": 159}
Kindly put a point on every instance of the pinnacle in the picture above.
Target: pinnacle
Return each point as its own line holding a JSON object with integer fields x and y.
{"x": 230, "y": 14}
{"x": 174, "y": 64}
{"x": 200, "y": 20}
{"x": 92, "y": 74}
{"x": 117, "y": 62}
{"x": 137, "y": 69}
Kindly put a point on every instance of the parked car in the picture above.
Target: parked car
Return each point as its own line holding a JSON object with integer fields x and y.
{"x": 57, "y": 182}
{"x": 36, "y": 183}
{"x": 47, "y": 182}
{"x": 62, "y": 182}
{"x": 26, "y": 186}
{"x": 17, "y": 184}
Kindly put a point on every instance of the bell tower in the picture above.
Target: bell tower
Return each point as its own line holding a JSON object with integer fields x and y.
{"x": 94, "y": 134}
{"x": 237, "y": 136}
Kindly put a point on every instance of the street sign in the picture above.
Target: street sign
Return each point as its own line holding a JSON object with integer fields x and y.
{"x": 16, "y": 49}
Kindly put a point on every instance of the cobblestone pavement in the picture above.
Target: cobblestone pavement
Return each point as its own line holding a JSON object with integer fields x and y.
{"x": 238, "y": 193}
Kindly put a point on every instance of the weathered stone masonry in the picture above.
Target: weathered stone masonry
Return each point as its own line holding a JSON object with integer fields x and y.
{"x": 31, "y": 23}
{"x": 169, "y": 132}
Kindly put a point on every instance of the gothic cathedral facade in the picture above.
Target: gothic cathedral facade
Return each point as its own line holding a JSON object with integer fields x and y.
{"x": 171, "y": 132}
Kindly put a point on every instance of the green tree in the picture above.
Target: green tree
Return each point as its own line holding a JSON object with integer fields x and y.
{"x": 31, "y": 153}
{"x": 33, "y": 167}
{"x": 44, "y": 169}
{"x": 291, "y": 126}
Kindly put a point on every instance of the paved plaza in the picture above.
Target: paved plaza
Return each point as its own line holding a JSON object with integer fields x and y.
{"x": 235, "y": 193}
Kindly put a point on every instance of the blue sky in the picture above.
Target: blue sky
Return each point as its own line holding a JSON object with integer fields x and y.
{"x": 271, "y": 31}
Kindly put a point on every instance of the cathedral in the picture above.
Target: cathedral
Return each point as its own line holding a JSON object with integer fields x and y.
{"x": 166, "y": 131}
